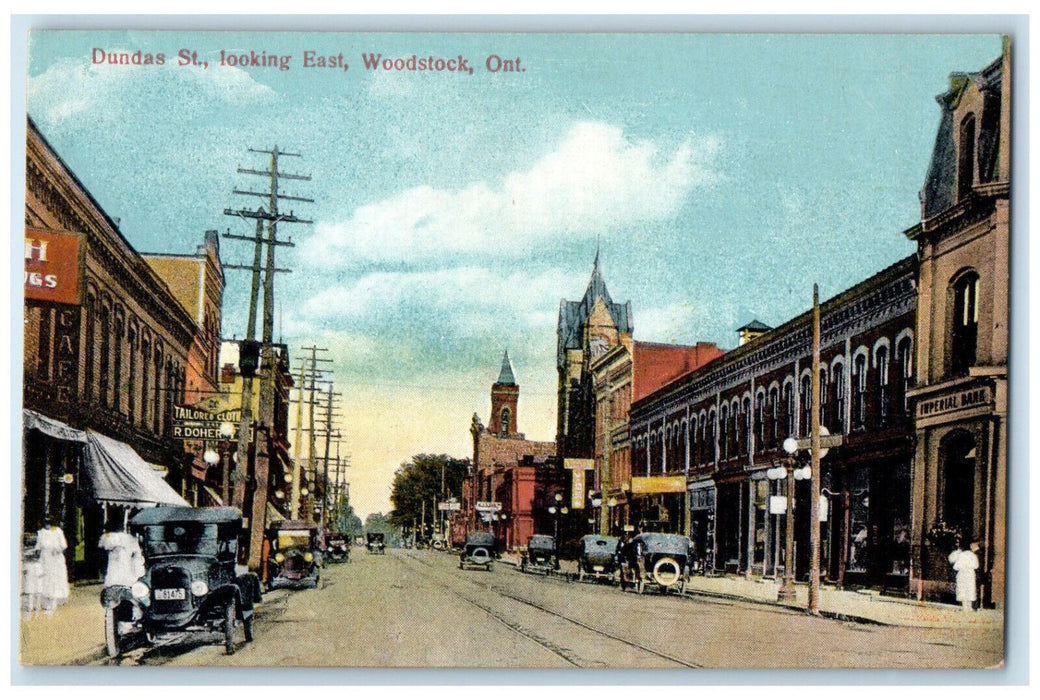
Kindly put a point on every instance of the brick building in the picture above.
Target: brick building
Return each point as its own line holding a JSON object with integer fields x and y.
{"x": 960, "y": 400}
{"x": 197, "y": 282}
{"x": 586, "y": 330}
{"x": 508, "y": 469}
{"x": 627, "y": 372}
{"x": 106, "y": 351}
{"x": 719, "y": 428}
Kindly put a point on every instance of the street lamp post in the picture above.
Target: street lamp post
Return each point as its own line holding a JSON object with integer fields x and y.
{"x": 791, "y": 474}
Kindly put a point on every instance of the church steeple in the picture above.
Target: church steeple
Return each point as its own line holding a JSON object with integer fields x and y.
{"x": 504, "y": 396}
{"x": 506, "y": 375}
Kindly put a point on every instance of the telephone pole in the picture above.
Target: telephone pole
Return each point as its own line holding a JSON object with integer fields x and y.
{"x": 314, "y": 375}
{"x": 272, "y": 216}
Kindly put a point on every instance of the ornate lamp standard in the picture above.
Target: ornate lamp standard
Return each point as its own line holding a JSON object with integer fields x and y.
{"x": 556, "y": 511}
{"x": 791, "y": 474}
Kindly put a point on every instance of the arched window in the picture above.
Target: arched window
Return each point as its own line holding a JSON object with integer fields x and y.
{"x": 157, "y": 394}
{"x": 805, "y": 397}
{"x": 91, "y": 343}
{"x": 724, "y": 431}
{"x": 966, "y": 157}
{"x": 761, "y": 417}
{"x": 958, "y": 454}
{"x": 105, "y": 354}
{"x": 905, "y": 373}
{"x": 859, "y": 392}
{"x": 117, "y": 369}
{"x": 838, "y": 378}
{"x": 747, "y": 420}
{"x": 882, "y": 395}
{"x": 712, "y": 436}
{"x": 774, "y": 411}
{"x": 824, "y": 414}
{"x": 145, "y": 379}
{"x": 965, "y": 323}
{"x": 505, "y": 416}
{"x": 131, "y": 379}
{"x": 788, "y": 402}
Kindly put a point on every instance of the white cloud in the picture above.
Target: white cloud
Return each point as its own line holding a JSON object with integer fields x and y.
{"x": 595, "y": 180}
{"x": 71, "y": 89}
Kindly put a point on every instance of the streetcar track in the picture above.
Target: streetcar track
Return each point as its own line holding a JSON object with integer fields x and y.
{"x": 549, "y": 646}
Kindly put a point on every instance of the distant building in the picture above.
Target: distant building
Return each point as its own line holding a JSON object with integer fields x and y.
{"x": 960, "y": 401}
{"x": 586, "y": 330}
{"x": 627, "y": 372}
{"x": 519, "y": 475}
{"x": 197, "y": 281}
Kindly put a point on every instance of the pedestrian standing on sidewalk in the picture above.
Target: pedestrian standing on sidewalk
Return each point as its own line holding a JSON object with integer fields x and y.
{"x": 51, "y": 544}
{"x": 32, "y": 581}
{"x": 125, "y": 560}
{"x": 965, "y": 563}
{"x": 621, "y": 557}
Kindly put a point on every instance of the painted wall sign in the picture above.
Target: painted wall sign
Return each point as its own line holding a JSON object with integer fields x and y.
{"x": 52, "y": 264}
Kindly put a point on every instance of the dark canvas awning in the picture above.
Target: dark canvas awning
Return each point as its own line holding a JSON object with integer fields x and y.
{"x": 115, "y": 473}
{"x": 31, "y": 420}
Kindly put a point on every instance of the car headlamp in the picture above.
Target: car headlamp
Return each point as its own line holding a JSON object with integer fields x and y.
{"x": 308, "y": 557}
{"x": 199, "y": 588}
{"x": 139, "y": 590}
{"x": 279, "y": 557}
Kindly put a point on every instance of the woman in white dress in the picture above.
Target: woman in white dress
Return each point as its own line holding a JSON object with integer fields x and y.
{"x": 125, "y": 561}
{"x": 965, "y": 563}
{"x": 54, "y": 582}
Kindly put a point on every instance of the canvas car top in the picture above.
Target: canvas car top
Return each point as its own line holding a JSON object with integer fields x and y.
{"x": 166, "y": 514}
{"x": 661, "y": 542}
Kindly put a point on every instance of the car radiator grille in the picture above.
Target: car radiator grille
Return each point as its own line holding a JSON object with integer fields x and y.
{"x": 167, "y": 578}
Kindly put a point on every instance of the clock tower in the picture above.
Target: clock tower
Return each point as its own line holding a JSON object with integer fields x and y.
{"x": 504, "y": 395}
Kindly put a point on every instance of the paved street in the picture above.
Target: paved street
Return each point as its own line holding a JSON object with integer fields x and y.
{"x": 416, "y": 609}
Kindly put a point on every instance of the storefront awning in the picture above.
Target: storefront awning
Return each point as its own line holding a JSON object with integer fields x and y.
{"x": 214, "y": 496}
{"x": 31, "y": 420}
{"x": 115, "y": 473}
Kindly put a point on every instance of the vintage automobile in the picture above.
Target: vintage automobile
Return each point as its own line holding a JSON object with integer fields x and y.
{"x": 376, "y": 542}
{"x": 295, "y": 556}
{"x": 479, "y": 550}
{"x": 337, "y": 548}
{"x": 597, "y": 557}
{"x": 663, "y": 561}
{"x": 540, "y": 556}
{"x": 191, "y": 582}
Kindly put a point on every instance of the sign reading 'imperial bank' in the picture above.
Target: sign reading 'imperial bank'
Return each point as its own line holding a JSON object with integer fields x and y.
{"x": 955, "y": 401}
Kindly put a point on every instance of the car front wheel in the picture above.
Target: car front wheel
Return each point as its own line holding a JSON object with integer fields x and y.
{"x": 111, "y": 633}
{"x": 229, "y": 627}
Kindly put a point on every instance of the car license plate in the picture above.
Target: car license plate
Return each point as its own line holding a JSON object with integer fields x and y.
{"x": 170, "y": 594}
{"x": 597, "y": 568}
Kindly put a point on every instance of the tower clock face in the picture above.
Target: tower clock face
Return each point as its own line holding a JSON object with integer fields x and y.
{"x": 598, "y": 345}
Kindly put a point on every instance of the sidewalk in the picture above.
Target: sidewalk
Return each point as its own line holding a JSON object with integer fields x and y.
{"x": 75, "y": 634}
{"x": 854, "y": 606}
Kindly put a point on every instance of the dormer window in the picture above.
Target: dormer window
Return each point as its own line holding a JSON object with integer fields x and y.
{"x": 966, "y": 157}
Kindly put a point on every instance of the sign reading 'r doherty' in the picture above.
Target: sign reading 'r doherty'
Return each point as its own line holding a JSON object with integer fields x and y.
{"x": 192, "y": 423}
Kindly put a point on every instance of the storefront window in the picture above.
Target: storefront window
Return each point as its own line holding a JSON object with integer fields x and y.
{"x": 899, "y": 503}
{"x": 859, "y": 520}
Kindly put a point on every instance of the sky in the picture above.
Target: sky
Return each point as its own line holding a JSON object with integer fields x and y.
{"x": 718, "y": 175}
